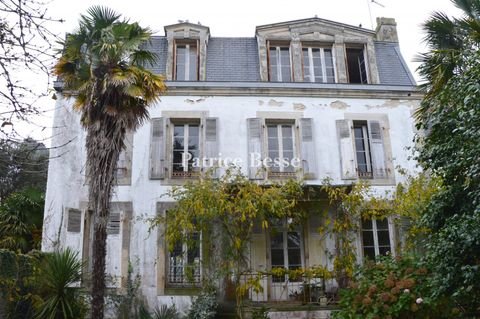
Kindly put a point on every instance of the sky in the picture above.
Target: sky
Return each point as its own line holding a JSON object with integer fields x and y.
{"x": 239, "y": 19}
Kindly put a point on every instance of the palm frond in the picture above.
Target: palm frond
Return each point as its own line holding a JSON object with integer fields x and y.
{"x": 143, "y": 58}
{"x": 441, "y": 32}
{"x": 471, "y": 8}
{"x": 99, "y": 17}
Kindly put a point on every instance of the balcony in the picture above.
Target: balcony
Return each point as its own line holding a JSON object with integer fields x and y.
{"x": 286, "y": 290}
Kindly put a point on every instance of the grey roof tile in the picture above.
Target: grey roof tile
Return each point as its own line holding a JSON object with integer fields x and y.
{"x": 159, "y": 46}
{"x": 236, "y": 60}
{"x": 392, "y": 68}
{"x": 232, "y": 59}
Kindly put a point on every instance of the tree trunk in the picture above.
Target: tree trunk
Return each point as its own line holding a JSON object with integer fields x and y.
{"x": 105, "y": 140}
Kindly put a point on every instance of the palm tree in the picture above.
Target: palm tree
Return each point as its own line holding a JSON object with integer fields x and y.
{"x": 102, "y": 66}
{"x": 448, "y": 40}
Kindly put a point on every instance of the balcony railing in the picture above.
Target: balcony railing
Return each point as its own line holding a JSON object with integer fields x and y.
{"x": 263, "y": 288}
{"x": 180, "y": 275}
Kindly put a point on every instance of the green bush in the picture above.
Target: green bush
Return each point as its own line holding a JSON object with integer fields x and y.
{"x": 392, "y": 288}
{"x": 18, "y": 275}
{"x": 204, "y": 306}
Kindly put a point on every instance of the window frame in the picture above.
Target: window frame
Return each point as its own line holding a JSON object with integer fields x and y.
{"x": 284, "y": 229}
{"x": 368, "y": 174}
{"x": 187, "y": 172}
{"x": 197, "y": 266}
{"x": 279, "y": 136}
{"x": 376, "y": 245}
{"x": 312, "y": 76}
{"x": 278, "y": 63}
{"x": 363, "y": 49}
{"x": 187, "y": 44}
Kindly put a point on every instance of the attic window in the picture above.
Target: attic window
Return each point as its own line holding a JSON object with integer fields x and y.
{"x": 186, "y": 61}
{"x": 357, "y": 71}
{"x": 318, "y": 64}
{"x": 279, "y": 63}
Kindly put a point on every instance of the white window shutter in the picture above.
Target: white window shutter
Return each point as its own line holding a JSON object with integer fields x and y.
{"x": 255, "y": 147}
{"x": 157, "y": 149}
{"x": 211, "y": 143}
{"x": 377, "y": 149}
{"x": 347, "y": 153}
{"x": 307, "y": 148}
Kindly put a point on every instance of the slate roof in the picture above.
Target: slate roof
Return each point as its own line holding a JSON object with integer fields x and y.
{"x": 159, "y": 46}
{"x": 392, "y": 68}
{"x": 236, "y": 60}
{"x": 233, "y": 59}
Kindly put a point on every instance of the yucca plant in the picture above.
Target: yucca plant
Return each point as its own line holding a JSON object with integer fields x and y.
{"x": 59, "y": 298}
{"x": 164, "y": 312}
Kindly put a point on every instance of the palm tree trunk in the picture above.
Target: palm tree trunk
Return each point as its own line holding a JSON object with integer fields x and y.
{"x": 105, "y": 140}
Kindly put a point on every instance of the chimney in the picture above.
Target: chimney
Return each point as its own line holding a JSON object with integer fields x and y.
{"x": 386, "y": 30}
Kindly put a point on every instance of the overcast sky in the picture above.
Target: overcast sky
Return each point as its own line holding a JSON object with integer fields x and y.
{"x": 239, "y": 18}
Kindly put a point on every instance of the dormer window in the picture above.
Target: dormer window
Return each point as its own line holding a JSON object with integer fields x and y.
{"x": 186, "y": 61}
{"x": 279, "y": 63}
{"x": 318, "y": 64}
{"x": 356, "y": 67}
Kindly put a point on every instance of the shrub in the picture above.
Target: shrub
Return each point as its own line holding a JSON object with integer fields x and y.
{"x": 204, "y": 306}
{"x": 391, "y": 288}
{"x": 18, "y": 275}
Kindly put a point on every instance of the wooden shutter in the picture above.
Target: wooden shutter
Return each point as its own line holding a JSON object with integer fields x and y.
{"x": 255, "y": 147}
{"x": 113, "y": 225}
{"x": 347, "y": 155}
{"x": 377, "y": 149}
{"x": 211, "y": 143}
{"x": 124, "y": 164}
{"x": 157, "y": 149}
{"x": 74, "y": 221}
{"x": 307, "y": 148}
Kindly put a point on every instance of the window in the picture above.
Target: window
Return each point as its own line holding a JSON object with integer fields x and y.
{"x": 186, "y": 147}
{"x": 184, "y": 266}
{"x": 356, "y": 68}
{"x": 318, "y": 65}
{"x": 281, "y": 149}
{"x": 285, "y": 249}
{"x": 279, "y": 63}
{"x": 186, "y": 61}
{"x": 362, "y": 149}
{"x": 179, "y": 145}
{"x": 375, "y": 238}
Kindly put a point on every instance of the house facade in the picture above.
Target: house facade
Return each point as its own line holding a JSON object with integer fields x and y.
{"x": 308, "y": 99}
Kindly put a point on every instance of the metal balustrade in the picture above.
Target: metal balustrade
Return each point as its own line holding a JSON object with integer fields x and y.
{"x": 263, "y": 288}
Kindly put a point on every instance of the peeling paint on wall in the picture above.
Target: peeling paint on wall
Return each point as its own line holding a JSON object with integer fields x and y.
{"x": 393, "y": 104}
{"x": 299, "y": 106}
{"x": 273, "y": 102}
{"x": 339, "y": 105}
{"x": 190, "y": 101}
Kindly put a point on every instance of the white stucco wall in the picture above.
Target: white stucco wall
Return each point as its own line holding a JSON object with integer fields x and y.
{"x": 65, "y": 188}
